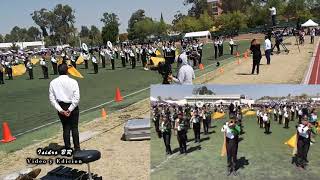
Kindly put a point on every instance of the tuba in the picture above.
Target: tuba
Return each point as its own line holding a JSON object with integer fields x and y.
{"x": 85, "y": 47}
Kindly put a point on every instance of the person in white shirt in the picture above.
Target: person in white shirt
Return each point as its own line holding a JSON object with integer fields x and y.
{"x": 275, "y": 115}
{"x": 312, "y": 35}
{"x": 64, "y": 95}
{"x": 231, "y": 44}
{"x": 54, "y": 65}
{"x": 267, "y": 47}
{"x": 273, "y": 12}
{"x": 304, "y": 138}
{"x": 94, "y": 63}
{"x": 266, "y": 122}
{"x": 185, "y": 74}
{"x": 30, "y": 69}
{"x": 286, "y": 119}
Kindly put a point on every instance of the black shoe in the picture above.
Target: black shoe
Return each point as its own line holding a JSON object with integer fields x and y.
{"x": 235, "y": 173}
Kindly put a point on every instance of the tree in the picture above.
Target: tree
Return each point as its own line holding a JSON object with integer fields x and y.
{"x": 144, "y": 28}
{"x": 110, "y": 31}
{"x": 233, "y": 21}
{"x": 34, "y": 34}
{"x": 135, "y": 17}
{"x": 85, "y": 32}
{"x": 59, "y": 22}
{"x": 203, "y": 90}
{"x": 95, "y": 36}
{"x": 123, "y": 37}
{"x": 198, "y": 7}
{"x": 1, "y": 38}
{"x": 162, "y": 26}
{"x": 235, "y": 5}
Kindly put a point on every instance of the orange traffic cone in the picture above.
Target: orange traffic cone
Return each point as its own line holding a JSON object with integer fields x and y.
{"x": 103, "y": 114}
{"x": 118, "y": 97}
{"x": 7, "y": 137}
{"x": 201, "y": 67}
{"x": 221, "y": 70}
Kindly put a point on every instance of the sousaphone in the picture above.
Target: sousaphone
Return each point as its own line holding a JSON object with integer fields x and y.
{"x": 85, "y": 47}
{"x": 109, "y": 44}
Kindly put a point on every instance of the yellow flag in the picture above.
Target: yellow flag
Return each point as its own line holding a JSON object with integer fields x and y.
{"x": 224, "y": 147}
{"x": 244, "y": 110}
{"x": 250, "y": 113}
{"x": 292, "y": 142}
{"x": 74, "y": 72}
{"x": 35, "y": 60}
{"x": 60, "y": 60}
{"x": 18, "y": 70}
{"x": 158, "y": 53}
{"x": 80, "y": 60}
{"x": 156, "y": 60}
{"x": 217, "y": 115}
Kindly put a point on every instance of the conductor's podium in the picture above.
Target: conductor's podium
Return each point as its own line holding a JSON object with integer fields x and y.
{"x": 67, "y": 173}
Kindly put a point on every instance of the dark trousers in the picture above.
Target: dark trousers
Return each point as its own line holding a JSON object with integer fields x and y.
{"x": 9, "y": 73}
{"x": 312, "y": 39}
{"x": 117, "y": 55}
{"x": 280, "y": 119}
{"x": 95, "y": 68}
{"x": 205, "y": 126}
{"x": 275, "y": 117}
{"x": 86, "y": 66}
{"x": 55, "y": 68}
{"x": 156, "y": 125}
{"x": 231, "y": 49}
{"x": 196, "y": 130}
{"x": 286, "y": 122}
{"x": 255, "y": 64}
{"x": 30, "y": 71}
{"x": 144, "y": 61}
{"x": 45, "y": 72}
{"x": 166, "y": 139}
{"x": 292, "y": 116}
{"x": 220, "y": 50}
{"x": 200, "y": 58}
{"x": 70, "y": 124}
{"x": 138, "y": 57}
{"x": 268, "y": 54}
{"x": 103, "y": 61}
{"x": 123, "y": 61}
{"x": 215, "y": 52}
{"x": 260, "y": 122}
{"x": 182, "y": 139}
{"x": 302, "y": 150}
{"x": 266, "y": 127}
{"x": 232, "y": 151}
{"x": 133, "y": 62}
{"x": 112, "y": 64}
{"x": 299, "y": 118}
{"x": 273, "y": 18}
{"x": 1, "y": 77}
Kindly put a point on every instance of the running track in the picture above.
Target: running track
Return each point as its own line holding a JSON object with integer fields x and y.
{"x": 315, "y": 72}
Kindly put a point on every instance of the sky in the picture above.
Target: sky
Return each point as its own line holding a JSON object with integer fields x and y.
{"x": 251, "y": 91}
{"x": 87, "y": 12}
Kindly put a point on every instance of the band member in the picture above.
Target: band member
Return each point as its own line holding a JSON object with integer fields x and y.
{"x": 102, "y": 57}
{"x": 180, "y": 127}
{"x": 300, "y": 114}
{"x": 123, "y": 58}
{"x": 231, "y": 132}
{"x": 313, "y": 117}
{"x": 30, "y": 69}
{"x": 200, "y": 47}
{"x": 256, "y": 52}
{"x": 280, "y": 115}
{"x": 275, "y": 115}
{"x": 44, "y": 67}
{"x": 64, "y": 96}
{"x": 304, "y": 131}
{"x": 8, "y": 65}
{"x": 132, "y": 58}
{"x": 266, "y": 122}
{"x": 261, "y": 123}
{"x": 216, "y": 45}
{"x": 1, "y": 74}
{"x": 166, "y": 133}
{"x": 286, "y": 119}
{"x": 195, "y": 120}
{"x": 54, "y": 65}
{"x": 116, "y": 51}
{"x": 86, "y": 57}
{"x": 111, "y": 55}
{"x": 137, "y": 49}
{"x": 95, "y": 64}
{"x": 231, "y": 44}
{"x": 220, "y": 47}
{"x": 292, "y": 113}
{"x": 143, "y": 53}
{"x": 156, "y": 120}
{"x": 206, "y": 121}
{"x": 74, "y": 59}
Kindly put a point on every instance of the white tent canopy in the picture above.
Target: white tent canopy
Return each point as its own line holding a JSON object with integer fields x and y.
{"x": 198, "y": 34}
{"x": 309, "y": 23}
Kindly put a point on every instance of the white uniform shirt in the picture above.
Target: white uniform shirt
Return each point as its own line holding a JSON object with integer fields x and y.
{"x": 300, "y": 112}
{"x": 286, "y": 115}
{"x": 64, "y": 89}
{"x": 94, "y": 60}
{"x": 273, "y": 11}
{"x": 53, "y": 60}
{"x": 43, "y": 62}
{"x": 303, "y": 130}
{"x": 267, "y": 44}
{"x": 225, "y": 128}
{"x": 265, "y": 118}
{"x": 185, "y": 75}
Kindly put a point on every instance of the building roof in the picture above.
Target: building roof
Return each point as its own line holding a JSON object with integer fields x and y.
{"x": 197, "y": 34}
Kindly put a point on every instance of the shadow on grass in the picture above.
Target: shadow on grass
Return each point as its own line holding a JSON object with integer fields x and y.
{"x": 241, "y": 163}
{"x": 204, "y": 139}
{"x": 244, "y": 74}
{"x": 195, "y": 148}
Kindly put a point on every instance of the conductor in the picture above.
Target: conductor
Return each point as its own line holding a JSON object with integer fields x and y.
{"x": 64, "y": 96}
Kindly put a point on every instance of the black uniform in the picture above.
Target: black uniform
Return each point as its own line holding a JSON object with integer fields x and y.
{"x": 196, "y": 128}
{"x": 30, "y": 70}
{"x": 303, "y": 145}
{"x": 103, "y": 59}
{"x": 256, "y": 52}
{"x": 232, "y": 140}
{"x": 166, "y": 134}
{"x": 182, "y": 135}
{"x": 45, "y": 70}
{"x": 1, "y": 75}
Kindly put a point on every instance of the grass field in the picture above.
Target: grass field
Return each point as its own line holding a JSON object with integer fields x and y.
{"x": 25, "y": 104}
{"x": 260, "y": 156}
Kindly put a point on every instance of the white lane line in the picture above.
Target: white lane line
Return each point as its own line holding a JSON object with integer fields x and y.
{"x": 306, "y": 80}
{"x": 317, "y": 72}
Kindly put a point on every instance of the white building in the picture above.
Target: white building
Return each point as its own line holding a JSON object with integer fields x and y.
{"x": 224, "y": 99}
{"x": 24, "y": 45}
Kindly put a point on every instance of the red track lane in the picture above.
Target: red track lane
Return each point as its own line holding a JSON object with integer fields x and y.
{"x": 315, "y": 73}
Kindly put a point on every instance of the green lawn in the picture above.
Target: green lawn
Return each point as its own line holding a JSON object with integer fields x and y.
{"x": 25, "y": 103}
{"x": 262, "y": 156}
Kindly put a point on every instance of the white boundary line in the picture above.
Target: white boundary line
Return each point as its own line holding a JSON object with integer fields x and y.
{"x": 308, "y": 73}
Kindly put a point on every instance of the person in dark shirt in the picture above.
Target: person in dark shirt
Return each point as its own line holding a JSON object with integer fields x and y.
{"x": 256, "y": 52}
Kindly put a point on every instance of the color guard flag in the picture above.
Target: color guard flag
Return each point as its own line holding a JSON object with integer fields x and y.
{"x": 80, "y": 60}
{"x": 74, "y": 72}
